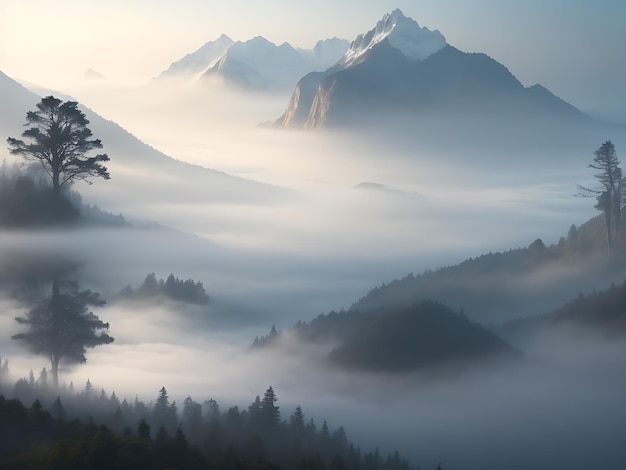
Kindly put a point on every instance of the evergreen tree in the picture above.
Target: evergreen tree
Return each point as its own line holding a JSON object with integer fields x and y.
{"x": 62, "y": 327}
{"x": 143, "y": 430}
{"x": 60, "y": 141}
{"x": 254, "y": 413}
{"x": 164, "y": 413}
{"x": 610, "y": 196}
{"x": 269, "y": 410}
{"x": 297, "y": 419}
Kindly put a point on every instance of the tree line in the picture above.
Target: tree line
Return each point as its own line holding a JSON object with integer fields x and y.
{"x": 55, "y": 433}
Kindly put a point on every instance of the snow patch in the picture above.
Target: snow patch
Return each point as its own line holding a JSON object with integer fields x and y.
{"x": 403, "y": 33}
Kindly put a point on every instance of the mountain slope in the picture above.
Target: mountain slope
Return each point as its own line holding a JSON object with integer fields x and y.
{"x": 256, "y": 64}
{"x": 197, "y": 61}
{"x": 497, "y": 287}
{"x": 596, "y": 313}
{"x": 423, "y": 336}
{"x": 399, "y": 67}
{"x": 261, "y": 65}
{"x": 138, "y": 171}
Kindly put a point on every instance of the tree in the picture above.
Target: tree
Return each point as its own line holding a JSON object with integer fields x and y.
{"x": 269, "y": 410}
{"x": 164, "y": 413}
{"x": 297, "y": 419}
{"x": 612, "y": 191}
{"x": 59, "y": 139}
{"x": 63, "y": 327}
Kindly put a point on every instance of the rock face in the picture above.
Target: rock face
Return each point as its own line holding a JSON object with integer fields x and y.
{"x": 401, "y": 67}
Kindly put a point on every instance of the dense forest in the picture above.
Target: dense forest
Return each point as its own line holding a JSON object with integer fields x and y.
{"x": 91, "y": 429}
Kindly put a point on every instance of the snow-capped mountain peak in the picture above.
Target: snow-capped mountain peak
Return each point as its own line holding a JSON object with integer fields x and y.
{"x": 402, "y": 33}
{"x": 200, "y": 59}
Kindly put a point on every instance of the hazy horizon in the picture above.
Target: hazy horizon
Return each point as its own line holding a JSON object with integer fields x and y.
{"x": 539, "y": 43}
{"x": 279, "y": 226}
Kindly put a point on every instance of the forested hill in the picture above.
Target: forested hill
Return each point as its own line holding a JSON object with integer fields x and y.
{"x": 497, "y": 287}
{"x": 420, "y": 337}
{"x": 599, "y": 312}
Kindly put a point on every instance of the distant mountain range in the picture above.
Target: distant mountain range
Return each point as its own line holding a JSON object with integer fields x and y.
{"x": 401, "y": 68}
{"x": 256, "y": 64}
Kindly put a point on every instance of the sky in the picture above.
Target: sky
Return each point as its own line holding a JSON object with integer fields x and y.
{"x": 562, "y": 44}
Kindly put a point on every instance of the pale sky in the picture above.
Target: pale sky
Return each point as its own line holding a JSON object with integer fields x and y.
{"x": 573, "y": 47}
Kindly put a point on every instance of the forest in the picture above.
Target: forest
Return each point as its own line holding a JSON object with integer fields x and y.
{"x": 427, "y": 322}
{"x": 47, "y": 424}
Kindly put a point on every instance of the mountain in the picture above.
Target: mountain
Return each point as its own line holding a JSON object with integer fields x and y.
{"x": 138, "y": 170}
{"x": 259, "y": 64}
{"x": 198, "y": 61}
{"x": 92, "y": 75}
{"x": 497, "y": 287}
{"x": 422, "y": 336}
{"x": 256, "y": 64}
{"x": 325, "y": 53}
{"x": 401, "y": 68}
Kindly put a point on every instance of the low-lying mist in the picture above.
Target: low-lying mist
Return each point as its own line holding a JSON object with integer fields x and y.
{"x": 560, "y": 405}
{"x": 296, "y": 234}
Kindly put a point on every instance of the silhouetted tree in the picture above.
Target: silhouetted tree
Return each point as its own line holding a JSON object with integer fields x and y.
{"x": 254, "y": 412}
{"x": 62, "y": 327}
{"x": 297, "y": 419}
{"x": 164, "y": 413}
{"x": 269, "y": 410}
{"x": 59, "y": 139}
{"x": 610, "y": 195}
{"x": 143, "y": 430}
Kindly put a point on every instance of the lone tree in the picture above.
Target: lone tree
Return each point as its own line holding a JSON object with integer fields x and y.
{"x": 612, "y": 191}
{"x": 63, "y": 327}
{"x": 58, "y": 138}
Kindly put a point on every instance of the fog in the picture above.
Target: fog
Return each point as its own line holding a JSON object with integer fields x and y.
{"x": 292, "y": 237}
{"x": 559, "y": 406}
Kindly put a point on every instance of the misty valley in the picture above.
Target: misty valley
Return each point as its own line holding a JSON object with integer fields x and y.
{"x": 377, "y": 254}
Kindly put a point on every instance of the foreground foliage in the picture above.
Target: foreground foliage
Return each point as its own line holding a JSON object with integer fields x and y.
{"x": 91, "y": 430}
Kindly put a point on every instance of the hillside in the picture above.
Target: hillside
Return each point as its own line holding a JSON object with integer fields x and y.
{"x": 421, "y": 337}
{"x": 131, "y": 157}
{"x": 497, "y": 287}
{"x": 598, "y": 313}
